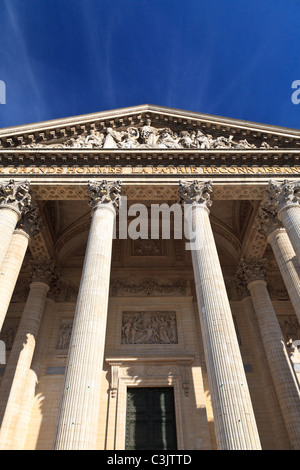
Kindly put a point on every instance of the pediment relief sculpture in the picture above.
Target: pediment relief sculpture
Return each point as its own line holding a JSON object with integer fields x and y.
{"x": 146, "y": 136}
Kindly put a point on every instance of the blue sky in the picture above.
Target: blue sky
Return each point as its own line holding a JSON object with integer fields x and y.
{"x": 231, "y": 58}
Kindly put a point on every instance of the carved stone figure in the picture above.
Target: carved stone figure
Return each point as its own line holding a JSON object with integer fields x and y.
{"x": 188, "y": 140}
{"x": 244, "y": 144}
{"x": 130, "y": 139}
{"x": 149, "y": 328}
{"x": 64, "y": 336}
{"x": 168, "y": 140}
{"x": 149, "y": 134}
{"x": 94, "y": 139}
{"x": 113, "y": 138}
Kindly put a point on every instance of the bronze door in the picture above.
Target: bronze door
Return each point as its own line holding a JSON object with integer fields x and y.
{"x": 150, "y": 419}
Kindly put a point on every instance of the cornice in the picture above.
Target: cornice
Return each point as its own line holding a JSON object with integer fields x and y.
{"x": 156, "y": 110}
{"x": 60, "y": 129}
{"x": 73, "y": 156}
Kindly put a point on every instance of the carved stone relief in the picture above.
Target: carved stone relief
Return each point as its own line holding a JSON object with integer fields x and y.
{"x": 146, "y": 136}
{"x": 149, "y": 328}
{"x": 149, "y": 247}
{"x": 148, "y": 287}
{"x": 290, "y": 328}
{"x": 278, "y": 293}
{"x": 64, "y": 335}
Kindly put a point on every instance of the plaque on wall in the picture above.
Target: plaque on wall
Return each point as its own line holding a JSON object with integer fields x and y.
{"x": 158, "y": 327}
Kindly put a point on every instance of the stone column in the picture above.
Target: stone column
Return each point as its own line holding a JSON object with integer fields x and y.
{"x": 270, "y": 397}
{"x": 234, "y": 420}
{"x": 285, "y": 382}
{"x": 33, "y": 376}
{"x": 79, "y": 412}
{"x": 14, "y": 200}
{"x": 27, "y": 227}
{"x": 283, "y": 251}
{"x": 19, "y": 362}
{"x": 286, "y": 198}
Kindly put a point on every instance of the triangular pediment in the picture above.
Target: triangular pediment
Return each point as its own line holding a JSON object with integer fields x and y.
{"x": 148, "y": 127}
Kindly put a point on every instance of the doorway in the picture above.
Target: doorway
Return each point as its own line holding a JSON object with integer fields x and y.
{"x": 150, "y": 419}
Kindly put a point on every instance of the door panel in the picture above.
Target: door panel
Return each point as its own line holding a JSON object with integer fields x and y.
{"x": 150, "y": 419}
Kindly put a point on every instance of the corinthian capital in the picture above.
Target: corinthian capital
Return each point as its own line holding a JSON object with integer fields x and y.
{"x": 15, "y": 195}
{"x": 103, "y": 192}
{"x": 30, "y": 221}
{"x": 195, "y": 192}
{"x": 252, "y": 269}
{"x": 44, "y": 271}
{"x": 283, "y": 194}
{"x": 267, "y": 221}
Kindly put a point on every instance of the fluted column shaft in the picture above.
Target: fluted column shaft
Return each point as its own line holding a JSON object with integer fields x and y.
{"x": 79, "y": 412}
{"x": 285, "y": 382}
{"x": 8, "y": 221}
{"x": 33, "y": 376}
{"x": 234, "y": 420}
{"x": 10, "y": 269}
{"x": 28, "y": 226}
{"x": 289, "y": 215}
{"x": 14, "y": 379}
{"x": 271, "y": 400}
{"x": 288, "y": 265}
{"x": 233, "y": 414}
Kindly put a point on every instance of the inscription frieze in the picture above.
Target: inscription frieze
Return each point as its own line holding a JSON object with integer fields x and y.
{"x": 56, "y": 170}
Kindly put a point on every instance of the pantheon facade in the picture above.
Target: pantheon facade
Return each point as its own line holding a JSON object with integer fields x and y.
{"x": 118, "y": 334}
